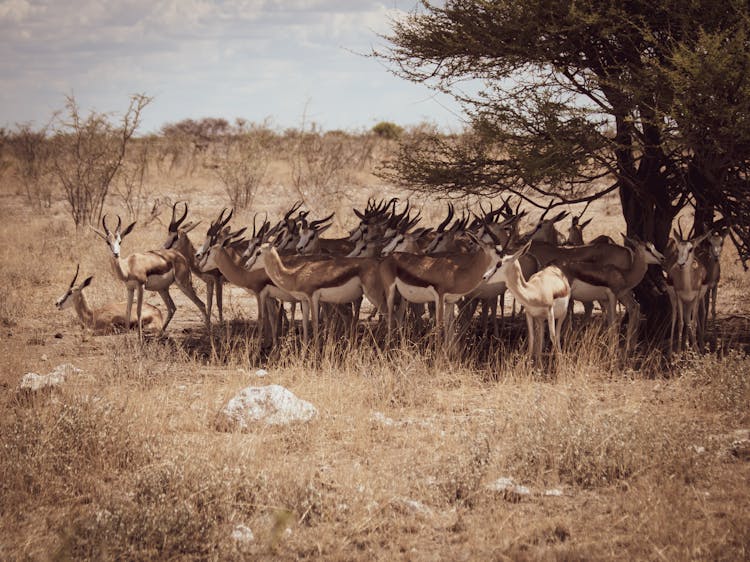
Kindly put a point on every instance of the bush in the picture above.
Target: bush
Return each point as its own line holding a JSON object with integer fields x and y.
{"x": 388, "y": 130}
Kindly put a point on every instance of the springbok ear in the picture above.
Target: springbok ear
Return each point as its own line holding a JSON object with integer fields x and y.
{"x": 698, "y": 239}
{"x": 584, "y": 224}
{"x": 128, "y": 230}
{"x": 86, "y": 282}
{"x": 99, "y": 233}
{"x": 474, "y": 238}
{"x": 323, "y": 228}
{"x": 523, "y": 250}
{"x": 189, "y": 226}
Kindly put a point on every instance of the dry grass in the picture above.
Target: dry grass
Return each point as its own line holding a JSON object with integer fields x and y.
{"x": 125, "y": 462}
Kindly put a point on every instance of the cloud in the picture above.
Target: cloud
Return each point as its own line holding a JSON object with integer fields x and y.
{"x": 244, "y": 58}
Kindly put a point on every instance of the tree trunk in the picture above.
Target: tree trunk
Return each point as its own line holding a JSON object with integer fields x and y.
{"x": 648, "y": 215}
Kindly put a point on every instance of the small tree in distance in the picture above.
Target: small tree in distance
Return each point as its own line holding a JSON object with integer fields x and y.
{"x": 89, "y": 152}
{"x": 387, "y": 130}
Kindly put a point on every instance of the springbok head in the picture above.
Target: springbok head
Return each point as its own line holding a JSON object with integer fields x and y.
{"x": 69, "y": 297}
{"x": 114, "y": 239}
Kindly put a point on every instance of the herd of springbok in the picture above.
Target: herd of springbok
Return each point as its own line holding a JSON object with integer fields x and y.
{"x": 464, "y": 261}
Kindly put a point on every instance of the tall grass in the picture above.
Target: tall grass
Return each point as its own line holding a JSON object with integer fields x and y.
{"x": 125, "y": 462}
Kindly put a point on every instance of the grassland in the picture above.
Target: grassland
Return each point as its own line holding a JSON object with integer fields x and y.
{"x": 623, "y": 459}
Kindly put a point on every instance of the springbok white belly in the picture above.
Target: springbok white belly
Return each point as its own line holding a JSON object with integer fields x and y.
{"x": 453, "y": 298}
{"x": 348, "y": 292}
{"x": 585, "y": 292}
{"x": 416, "y": 294}
{"x": 560, "y": 307}
{"x": 487, "y": 291}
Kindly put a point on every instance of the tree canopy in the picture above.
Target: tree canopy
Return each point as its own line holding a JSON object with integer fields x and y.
{"x": 654, "y": 94}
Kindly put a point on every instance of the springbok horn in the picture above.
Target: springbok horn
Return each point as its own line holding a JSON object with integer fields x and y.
{"x": 73, "y": 282}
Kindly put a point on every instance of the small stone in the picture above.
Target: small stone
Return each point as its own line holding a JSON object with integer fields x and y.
{"x": 554, "y": 492}
{"x": 261, "y": 373}
{"x": 243, "y": 534}
{"x": 58, "y": 336}
{"x": 44, "y": 357}
{"x": 510, "y": 490}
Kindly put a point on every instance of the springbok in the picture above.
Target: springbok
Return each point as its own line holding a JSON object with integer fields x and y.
{"x": 575, "y": 233}
{"x": 441, "y": 279}
{"x": 686, "y": 287}
{"x": 177, "y": 238}
{"x": 545, "y": 230}
{"x": 155, "y": 270}
{"x": 221, "y": 254}
{"x": 337, "y": 280}
{"x": 709, "y": 255}
{"x": 606, "y": 281}
{"x": 545, "y": 296}
{"x": 108, "y": 318}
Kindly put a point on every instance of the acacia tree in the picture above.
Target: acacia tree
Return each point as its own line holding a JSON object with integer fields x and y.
{"x": 654, "y": 94}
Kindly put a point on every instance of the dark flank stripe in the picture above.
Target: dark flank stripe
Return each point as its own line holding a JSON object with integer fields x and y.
{"x": 340, "y": 279}
{"x": 590, "y": 279}
{"x": 163, "y": 267}
{"x": 410, "y": 279}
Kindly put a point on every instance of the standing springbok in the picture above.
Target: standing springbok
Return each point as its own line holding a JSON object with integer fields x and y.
{"x": 335, "y": 279}
{"x": 544, "y": 296}
{"x": 608, "y": 282}
{"x": 686, "y": 287}
{"x": 108, "y": 318}
{"x": 709, "y": 255}
{"x": 575, "y": 233}
{"x": 177, "y": 238}
{"x": 442, "y": 279}
{"x": 155, "y": 270}
{"x": 221, "y": 255}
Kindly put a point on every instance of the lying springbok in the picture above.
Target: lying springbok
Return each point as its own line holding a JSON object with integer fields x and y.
{"x": 106, "y": 319}
{"x": 155, "y": 270}
{"x": 544, "y": 296}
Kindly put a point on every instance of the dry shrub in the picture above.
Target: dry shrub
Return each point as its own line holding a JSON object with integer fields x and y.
{"x": 570, "y": 436}
{"x": 146, "y": 363}
{"x": 64, "y": 449}
{"x": 241, "y": 166}
{"x": 720, "y": 382}
{"x": 176, "y": 508}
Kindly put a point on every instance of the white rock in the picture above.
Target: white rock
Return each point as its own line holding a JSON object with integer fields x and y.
{"x": 508, "y": 487}
{"x": 553, "y": 492}
{"x": 243, "y": 534}
{"x": 261, "y": 373}
{"x": 269, "y": 405}
{"x": 412, "y": 506}
{"x": 382, "y": 418}
{"x": 66, "y": 369}
{"x": 35, "y": 381}
{"x": 44, "y": 357}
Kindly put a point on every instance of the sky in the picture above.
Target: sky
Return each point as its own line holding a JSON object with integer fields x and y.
{"x": 279, "y": 61}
